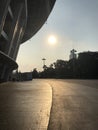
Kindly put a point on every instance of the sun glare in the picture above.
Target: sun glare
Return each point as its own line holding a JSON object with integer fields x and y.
{"x": 52, "y": 40}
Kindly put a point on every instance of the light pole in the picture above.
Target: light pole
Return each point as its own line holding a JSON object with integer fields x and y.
{"x": 44, "y": 62}
{"x": 74, "y": 57}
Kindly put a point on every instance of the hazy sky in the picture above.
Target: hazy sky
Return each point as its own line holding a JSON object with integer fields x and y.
{"x": 74, "y": 23}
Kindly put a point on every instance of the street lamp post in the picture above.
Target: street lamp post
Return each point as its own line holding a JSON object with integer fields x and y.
{"x": 44, "y": 62}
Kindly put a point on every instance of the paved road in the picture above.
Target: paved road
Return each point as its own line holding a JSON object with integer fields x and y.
{"x": 75, "y": 105}
{"x": 26, "y": 105}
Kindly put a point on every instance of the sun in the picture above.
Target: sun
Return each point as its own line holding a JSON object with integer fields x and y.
{"x": 52, "y": 40}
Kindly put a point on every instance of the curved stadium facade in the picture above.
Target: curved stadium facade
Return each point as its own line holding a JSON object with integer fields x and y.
{"x": 19, "y": 21}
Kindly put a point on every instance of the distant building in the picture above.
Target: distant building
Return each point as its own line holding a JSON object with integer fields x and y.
{"x": 26, "y": 76}
{"x": 88, "y": 64}
{"x": 18, "y": 76}
{"x": 73, "y": 54}
{"x": 88, "y": 55}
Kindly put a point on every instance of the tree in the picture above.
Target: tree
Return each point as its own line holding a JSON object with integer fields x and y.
{"x": 35, "y": 73}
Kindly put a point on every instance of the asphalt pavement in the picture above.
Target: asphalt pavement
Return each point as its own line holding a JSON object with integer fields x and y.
{"x": 74, "y": 105}
{"x": 49, "y": 104}
{"x": 25, "y": 105}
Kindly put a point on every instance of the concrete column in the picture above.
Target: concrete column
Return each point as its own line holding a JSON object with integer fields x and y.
{"x": 3, "y": 72}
